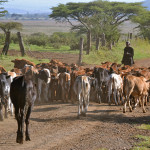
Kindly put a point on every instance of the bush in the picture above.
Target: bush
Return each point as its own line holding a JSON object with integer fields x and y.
{"x": 14, "y": 38}
{"x": 39, "y": 39}
{"x": 2, "y": 38}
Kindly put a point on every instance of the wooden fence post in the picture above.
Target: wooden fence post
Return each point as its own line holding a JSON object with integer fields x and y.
{"x": 130, "y": 36}
{"x": 97, "y": 43}
{"x": 21, "y": 44}
{"x": 7, "y": 42}
{"x": 103, "y": 40}
{"x": 81, "y": 50}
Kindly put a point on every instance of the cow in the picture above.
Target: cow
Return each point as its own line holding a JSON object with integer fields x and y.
{"x": 136, "y": 87}
{"x": 115, "y": 88}
{"x": 42, "y": 86}
{"x": 82, "y": 91}
{"x": 9, "y": 80}
{"x": 23, "y": 94}
{"x": 64, "y": 80}
{"x": 103, "y": 77}
{"x": 54, "y": 88}
{"x": 4, "y": 94}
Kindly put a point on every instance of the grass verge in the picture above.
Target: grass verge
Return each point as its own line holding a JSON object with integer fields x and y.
{"x": 145, "y": 143}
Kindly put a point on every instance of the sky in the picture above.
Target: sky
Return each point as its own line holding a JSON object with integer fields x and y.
{"x": 42, "y": 6}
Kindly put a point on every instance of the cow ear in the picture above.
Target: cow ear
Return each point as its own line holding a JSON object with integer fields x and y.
{"x": 8, "y": 76}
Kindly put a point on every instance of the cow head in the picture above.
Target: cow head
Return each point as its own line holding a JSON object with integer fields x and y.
{"x": 44, "y": 75}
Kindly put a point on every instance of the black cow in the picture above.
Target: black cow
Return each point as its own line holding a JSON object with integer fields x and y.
{"x": 4, "y": 94}
{"x": 23, "y": 94}
{"x": 103, "y": 77}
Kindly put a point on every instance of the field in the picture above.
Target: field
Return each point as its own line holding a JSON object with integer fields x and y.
{"x": 54, "y": 125}
{"x": 46, "y": 26}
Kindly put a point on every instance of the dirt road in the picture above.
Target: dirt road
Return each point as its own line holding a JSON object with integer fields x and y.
{"x": 55, "y": 126}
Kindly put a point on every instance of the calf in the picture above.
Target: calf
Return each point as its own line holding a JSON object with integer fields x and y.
{"x": 82, "y": 91}
{"x": 136, "y": 87}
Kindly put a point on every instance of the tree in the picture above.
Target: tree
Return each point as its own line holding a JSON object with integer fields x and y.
{"x": 96, "y": 16}
{"x": 7, "y": 27}
{"x": 143, "y": 21}
{"x": 2, "y": 11}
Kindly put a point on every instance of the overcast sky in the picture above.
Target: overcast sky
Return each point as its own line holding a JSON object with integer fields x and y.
{"x": 41, "y": 6}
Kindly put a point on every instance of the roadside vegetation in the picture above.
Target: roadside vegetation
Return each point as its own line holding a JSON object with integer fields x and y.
{"x": 145, "y": 140}
{"x": 92, "y": 21}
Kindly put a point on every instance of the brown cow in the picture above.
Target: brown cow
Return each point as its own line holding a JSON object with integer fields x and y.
{"x": 137, "y": 87}
{"x": 64, "y": 80}
{"x": 20, "y": 63}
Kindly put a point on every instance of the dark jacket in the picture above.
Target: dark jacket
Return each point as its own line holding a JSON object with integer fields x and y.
{"x": 128, "y": 56}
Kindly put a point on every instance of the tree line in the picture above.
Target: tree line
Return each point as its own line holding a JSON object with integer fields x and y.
{"x": 98, "y": 19}
{"x": 102, "y": 17}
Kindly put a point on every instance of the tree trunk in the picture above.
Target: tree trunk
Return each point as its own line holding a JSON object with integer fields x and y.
{"x": 21, "y": 44}
{"x": 130, "y": 36}
{"x": 103, "y": 40}
{"x": 88, "y": 42}
{"x": 110, "y": 45}
{"x": 7, "y": 42}
{"x": 97, "y": 43}
{"x": 81, "y": 51}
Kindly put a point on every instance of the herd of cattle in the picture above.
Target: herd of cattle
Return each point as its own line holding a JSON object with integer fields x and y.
{"x": 27, "y": 83}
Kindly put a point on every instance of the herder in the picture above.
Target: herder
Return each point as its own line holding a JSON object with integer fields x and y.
{"x": 128, "y": 55}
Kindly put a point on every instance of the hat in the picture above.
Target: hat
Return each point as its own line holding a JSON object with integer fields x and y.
{"x": 128, "y": 42}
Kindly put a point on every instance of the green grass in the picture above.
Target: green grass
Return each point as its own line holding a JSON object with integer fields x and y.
{"x": 145, "y": 143}
{"x": 62, "y": 49}
{"x": 141, "y": 51}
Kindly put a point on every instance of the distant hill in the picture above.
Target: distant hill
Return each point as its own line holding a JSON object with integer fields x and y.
{"x": 146, "y": 3}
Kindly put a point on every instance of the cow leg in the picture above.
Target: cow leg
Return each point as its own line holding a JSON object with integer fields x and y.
{"x": 1, "y": 112}
{"x": 118, "y": 97}
{"x": 27, "y": 124}
{"x": 121, "y": 98}
{"x": 10, "y": 106}
{"x": 115, "y": 96}
{"x": 21, "y": 126}
{"x": 5, "y": 106}
{"x": 79, "y": 105}
{"x": 130, "y": 108}
{"x": 125, "y": 105}
{"x": 18, "y": 118}
{"x": 143, "y": 102}
{"x": 86, "y": 105}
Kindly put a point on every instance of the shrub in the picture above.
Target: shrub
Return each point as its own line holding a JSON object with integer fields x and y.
{"x": 39, "y": 39}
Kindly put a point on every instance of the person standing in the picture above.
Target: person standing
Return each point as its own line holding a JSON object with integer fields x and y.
{"x": 128, "y": 55}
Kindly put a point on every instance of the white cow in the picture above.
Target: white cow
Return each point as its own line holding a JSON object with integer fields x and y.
{"x": 10, "y": 80}
{"x": 82, "y": 90}
{"x": 43, "y": 86}
{"x": 115, "y": 88}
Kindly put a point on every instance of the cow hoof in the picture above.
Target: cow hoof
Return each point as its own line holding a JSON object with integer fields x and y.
{"x": 19, "y": 140}
{"x": 124, "y": 111}
{"x": 78, "y": 117}
{"x": 28, "y": 138}
{"x": 144, "y": 111}
{"x": 84, "y": 115}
